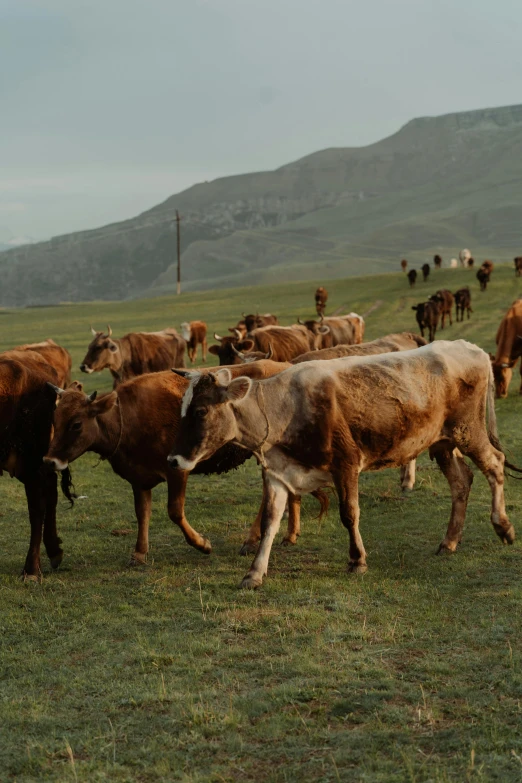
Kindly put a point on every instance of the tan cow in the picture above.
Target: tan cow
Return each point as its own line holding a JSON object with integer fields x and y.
{"x": 337, "y": 330}
{"x": 134, "y": 354}
{"x": 509, "y": 349}
{"x": 325, "y": 422}
{"x": 195, "y": 333}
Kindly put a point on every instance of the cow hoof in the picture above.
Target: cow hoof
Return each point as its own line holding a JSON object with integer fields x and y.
{"x": 137, "y": 559}
{"x": 444, "y": 550}
{"x": 509, "y": 536}
{"x": 357, "y": 568}
{"x": 205, "y": 547}
{"x": 30, "y": 578}
{"x": 249, "y": 548}
{"x": 251, "y": 583}
{"x": 406, "y": 490}
{"x": 288, "y": 541}
{"x": 56, "y": 560}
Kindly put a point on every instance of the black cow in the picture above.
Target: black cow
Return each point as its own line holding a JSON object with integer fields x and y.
{"x": 427, "y": 314}
{"x": 463, "y": 302}
{"x": 412, "y": 277}
{"x": 425, "y": 271}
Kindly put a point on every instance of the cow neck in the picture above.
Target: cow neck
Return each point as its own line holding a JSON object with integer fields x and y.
{"x": 111, "y": 429}
{"x": 253, "y": 437}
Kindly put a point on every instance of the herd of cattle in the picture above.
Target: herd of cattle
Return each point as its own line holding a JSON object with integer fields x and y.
{"x": 483, "y": 273}
{"x": 312, "y": 402}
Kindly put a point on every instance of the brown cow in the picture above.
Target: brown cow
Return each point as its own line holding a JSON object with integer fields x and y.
{"x": 404, "y": 265}
{"x": 54, "y": 355}
{"x": 26, "y": 413}
{"x": 445, "y": 300}
{"x": 427, "y": 315}
{"x": 483, "y": 275}
{"x": 227, "y": 348}
{"x": 345, "y": 416}
{"x": 463, "y": 302}
{"x": 285, "y": 342}
{"x": 134, "y": 354}
{"x": 425, "y": 272}
{"x": 195, "y": 333}
{"x": 509, "y": 348}
{"x": 518, "y": 265}
{"x": 321, "y": 298}
{"x": 437, "y": 261}
{"x": 412, "y": 277}
{"x": 258, "y": 321}
{"x": 337, "y": 330}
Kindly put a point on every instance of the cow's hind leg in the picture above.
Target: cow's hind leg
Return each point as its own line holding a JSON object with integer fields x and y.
{"x": 274, "y": 506}
{"x": 491, "y": 462}
{"x": 36, "y": 507}
{"x": 204, "y": 350}
{"x": 460, "y": 479}
{"x": 177, "y": 485}
{"x": 51, "y": 539}
{"x": 408, "y": 476}
{"x": 347, "y": 486}
{"x": 251, "y": 543}
{"x": 294, "y": 520}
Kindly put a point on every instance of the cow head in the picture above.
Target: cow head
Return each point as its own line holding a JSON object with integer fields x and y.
{"x": 227, "y": 348}
{"x": 207, "y": 420}
{"x": 76, "y": 426}
{"x": 102, "y": 353}
{"x": 503, "y": 371}
{"x": 252, "y": 356}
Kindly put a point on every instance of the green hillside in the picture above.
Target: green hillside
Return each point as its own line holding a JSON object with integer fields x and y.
{"x": 435, "y": 186}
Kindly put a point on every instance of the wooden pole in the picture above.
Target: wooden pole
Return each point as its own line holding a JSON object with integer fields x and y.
{"x": 178, "y": 219}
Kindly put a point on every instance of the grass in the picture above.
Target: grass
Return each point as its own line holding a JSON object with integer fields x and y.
{"x": 412, "y": 672}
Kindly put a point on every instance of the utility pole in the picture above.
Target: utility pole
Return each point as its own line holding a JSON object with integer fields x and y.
{"x": 178, "y": 220}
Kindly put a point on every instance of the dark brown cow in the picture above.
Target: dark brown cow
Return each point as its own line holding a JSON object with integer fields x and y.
{"x": 445, "y": 300}
{"x": 412, "y": 277}
{"x": 337, "y": 330}
{"x": 321, "y": 298}
{"x": 26, "y": 413}
{"x": 471, "y": 261}
{"x": 54, "y": 355}
{"x": 258, "y": 321}
{"x": 228, "y": 348}
{"x": 404, "y": 265}
{"x": 427, "y": 314}
{"x": 346, "y": 416}
{"x": 425, "y": 272}
{"x": 518, "y": 265}
{"x": 134, "y": 354}
{"x": 483, "y": 275}
{"x": 509, "y": 349}
{"x": 463, "y": 303}
{"x": 437, "y": 261}
{"x": 488, "y": 266}
{"x": 285, "y": 342}
{"x": 195, "y": 333}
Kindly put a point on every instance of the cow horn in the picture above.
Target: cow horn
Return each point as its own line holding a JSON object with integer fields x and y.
{"x": 270, "y": 351}
{"x": 109, "y": 330}
{"x": 321, "y": 318}
{"x": 217, "y": 337}
{"x": 238, "y": 353}
{"x": 238, "y": 334}
{"x": 181, "y": 373}
{"x": 94, "y": 332}
{"x": 56, "y": 389}
{"x": 299, "y": 321}
{"x": 243, "y": 315}
{"x": 92, "y": 397}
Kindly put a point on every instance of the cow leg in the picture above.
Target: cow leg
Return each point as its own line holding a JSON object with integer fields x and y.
{"x": 460, "y": 479}
{"x": 177, "y": 484}
{"x": 143, "y": 508}
{"x": 294, "y": 520}
{"x": 204, "y": 350}
{"x": 347, "y": 486}
{"x": 50, "y": 534}
{"x": 35, "y": 504}
{"x": 491, "y": 462}
{"x": 276, "y": 497}
{"x": 450, "y": 316}
{"x": 408, "y": 476}
{"x": 251, "y": 543}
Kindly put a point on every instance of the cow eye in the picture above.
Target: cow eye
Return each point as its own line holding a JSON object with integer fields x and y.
{"x": 201, "y": 412}
{"x": 113, "y": 347}
{"x": 76, "y": 426}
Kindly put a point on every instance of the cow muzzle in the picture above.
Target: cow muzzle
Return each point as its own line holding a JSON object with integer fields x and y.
{"x": 55, "y": 463}
{"x": 85, "y": 368}
{"x": 179, "y": 462}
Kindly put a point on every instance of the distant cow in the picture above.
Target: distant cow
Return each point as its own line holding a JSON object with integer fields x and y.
{"x": 404, "y": 265}
{"x": 427, "y": 314}
{"x": 445, "y": 300}
{"x": 471, "y": 262}
{"x": 454, "y": 263}
{"x": 412, "y": 277}
{"x": 257, "y": 321}
{"x": 195, "y": 333}
{"x": 134, "y": 354}
{"x": 483, "y": 276}
{"x": 337, "y": 330}
{"x": 464, "y": 257}
{"x": 463, "y": 302}
{"x": 425, "y": 271}
{"x": 228, "y": 347}
{"x": 437, "y": 261}
{"x": 321, "y": 297}
{"x": 509, "y": 348}
{"x": 518, "y": 265}
{"x": 54, "y": 355}
{"x": 488, "y": 266}
{"x": 345, "y": 416}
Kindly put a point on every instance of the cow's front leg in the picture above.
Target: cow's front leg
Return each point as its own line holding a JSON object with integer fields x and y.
{"x": 177, "y": 484}
{"x": 51, "y": 539}
{"x": 408, "y": 476}
{"x": 347, "y": 485}
{"x": 36, "y": 507}
{"x": 275, "y": 501}
{"x": 142, "y": 507}
{"x": 249, "y": 546}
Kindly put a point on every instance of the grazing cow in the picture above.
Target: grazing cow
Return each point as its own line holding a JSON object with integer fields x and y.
{"x": 454, "y": 263}
{"x": 483, "y": 275}
{"x": 134, "y": 354}
{"x": 412, "y": 277}
{"x": 26, "y": 414}
{"x": 228, "y": 348}
{"x": 321, "y": 297}
{"x": 285, "y": 342}
{"x": 54, "y": 355}
{"x": 437, "y": 261}
{"x": 194, "y": 334}
{"x": 445, "y": 300}
{"x": 404, "y": 265}
{"x": 509, "y": 348}
{"x": 337, "y": 330}
{"x": 464, "y": 257}
{"x": 258, "y": 321}
{"x": 345, "y": 416}
{"x": 518, "y": 265}
{"x": 427, "y": 314}
{"x": 425, "y": 272}
{"x": 463, "y": 302}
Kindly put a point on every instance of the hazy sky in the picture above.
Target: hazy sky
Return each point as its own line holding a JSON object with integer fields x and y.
{"x": 109, "y": 106}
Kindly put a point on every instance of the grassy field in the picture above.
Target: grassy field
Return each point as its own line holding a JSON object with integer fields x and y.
{"x": 412, "y": 672}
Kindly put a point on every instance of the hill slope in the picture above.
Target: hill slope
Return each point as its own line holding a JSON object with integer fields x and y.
{"x": 436, "y": 185}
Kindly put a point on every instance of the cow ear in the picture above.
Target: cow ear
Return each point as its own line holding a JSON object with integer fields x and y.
{"x": 238, "y": 389}
{"x": 103, "y": 404}
{"x": 246, "y": 345}
{"x": 323, "y": 329}
{"x": 214, "y": 349}
{"x": 76, "y": 386}
{"x": 223, "y": 376}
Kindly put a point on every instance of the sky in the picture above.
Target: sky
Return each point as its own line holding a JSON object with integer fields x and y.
{"x": 110, "y": 106}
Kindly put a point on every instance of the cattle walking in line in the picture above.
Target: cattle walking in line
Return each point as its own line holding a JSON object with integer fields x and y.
{"x": 53, "y": 354}
{"x": 425, "y": 272}
{"x": 26, "y": 414}
{"x": 404, "y": 265}
{"x": 518, "y": 265}
{"x": 336, "y": 330}
{"x": 134, "y": 354}
{"x": 412, "y": 277}
{"x": 427, "y": 314}
{"x": 483, "y": 276}
{"x": 444, "y": 299}
{"x": 258, "y": 321}
{"x": 345, "y": 416}
{"x": 509, "y": 349}
{"x": 321, "y": 298}
{"x": 195, "y": 333}
{"x": 463, "y": 303}
{"x": 437, "y": 261}
{"x": 464, "y": 257}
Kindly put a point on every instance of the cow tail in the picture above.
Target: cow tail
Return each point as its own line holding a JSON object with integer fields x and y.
{"x": 324, "y": 502}
{"x": 67, "y": 486}
{"x": 492, "y": 422}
